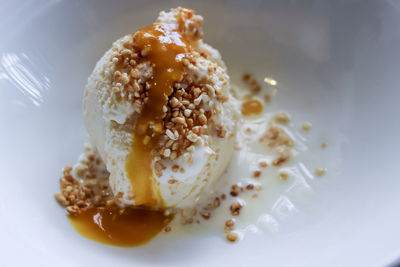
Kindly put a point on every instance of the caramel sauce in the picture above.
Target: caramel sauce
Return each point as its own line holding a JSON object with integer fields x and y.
{"x": 252, "y": 107}
{"x": 163, "y": 46}
{"x": 119, "y": 227}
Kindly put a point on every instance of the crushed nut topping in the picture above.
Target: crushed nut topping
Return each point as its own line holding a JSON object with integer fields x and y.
{"x": 88, "y": 189}
{"x": 320, "y": 171}
{"x": 252, "y": 82}
{"x": 250, "y": 187}
{"x": 263, "y": 164}
{"x": 189, "y": 109}
{"x": 257, "y": 174}
{"x": 277, "y": 138}
{"x": 232, "y": 237}
{"x": 281, "y": 117}
{"x": 235, "y": 208}
{"x": 205, "y": 215}
{"x": 283, "y": 176}
{"x": 306, "y": 127}
{"x": 235, "y": 190}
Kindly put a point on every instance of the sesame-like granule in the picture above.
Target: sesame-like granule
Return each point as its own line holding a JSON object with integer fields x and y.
{"x": 88, "y": 189}
{"x": 281, "y": 117}
{"x": 283, "y": 176}
{"x": 232, "y": 237}
{"x": 320, "y": 171}
{"x": 252, "y": 82}
{"x": 263, "y": 164}
{"x": 230, "y": 223}
{"x": 257, "y": 174}
{"x": 306, "y": 127}
{"x": 235, "y": 208}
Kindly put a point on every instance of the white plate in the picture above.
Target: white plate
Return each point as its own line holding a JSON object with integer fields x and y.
{"x": 337, "y": 64}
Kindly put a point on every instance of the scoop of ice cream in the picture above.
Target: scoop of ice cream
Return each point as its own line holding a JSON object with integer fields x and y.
{"x": 158, "y": 109}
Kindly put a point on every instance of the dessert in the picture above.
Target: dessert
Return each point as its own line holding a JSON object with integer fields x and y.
{"x": 164, "y": 126}
{"x": 158, "y": 109}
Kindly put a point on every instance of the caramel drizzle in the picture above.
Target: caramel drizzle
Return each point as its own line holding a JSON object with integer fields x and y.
{"x": 163, "y": 46}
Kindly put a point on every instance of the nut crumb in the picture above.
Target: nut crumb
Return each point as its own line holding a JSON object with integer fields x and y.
{"x": 230, "y": 223}
{"x": 235, "y": 190}
{"x": 167, "y": 229}
{"x": 175, "y": 168}
{"x": 172, "y": 181}
{"x": 263, "y": 164}
{"x": 235, "y": 208}
{"x": 281, "y": 117}
{"x": 205, "y": 215}
{"x": 256, "y": 174}
{"x": 254, "y": 196}
{"x": 232, "y": 237}
{"x": 306, "y": 127}
{"x": 250, "y": 187}
{"x": 283, "y": 175}
{"x": 267, "y": 97}
{"x": 246, "y": 76}
{"x": 320, "y": 171}
{"x": 323, "y": 145}
{"x": 217, "y": 202}
{"x": 252, "y": 82}
{"x": 279, "y": 161}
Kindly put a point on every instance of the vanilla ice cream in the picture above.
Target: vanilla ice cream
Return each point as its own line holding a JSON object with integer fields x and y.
{"x": 158, "y": 109}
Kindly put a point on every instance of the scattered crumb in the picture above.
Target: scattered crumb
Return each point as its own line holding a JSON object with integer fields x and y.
{"x": 263, "y": 164}
{"x": 267, "y": 97}
{"x": 223, "y": 196}
{"x": 205, "y": 215}
{"x": 258, "y": 187}
{"x": 235, "y": 190}
{"x": 306, "y": 127}
{"x": 320, "y": 171}
{"x": 167, "y": 229}
{"x": 275, "y": 137}
{"x": 256, "y": 174}
{"x": 281, "y": 117}
{"x": 279, "y": 161}
{"x": 254, "y": 195}
{"x": 230, "y": 223}
{"x": 89, "y": 188}
{"x": 250, "y": 187}
{"x": 175, "y": 168}
{"x": 254, "y": 85}
{"x": 283, "y": 175}
{"x": 235, "y": 208}
{"x": 232, "y": 237}
{"x": 323, "y": 145}
{"x": 246, "y": 76}
{"x": 217, "y": 202}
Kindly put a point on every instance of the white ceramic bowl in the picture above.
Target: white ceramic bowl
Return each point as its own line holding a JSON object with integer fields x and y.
{"x": 337, "y": 64}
